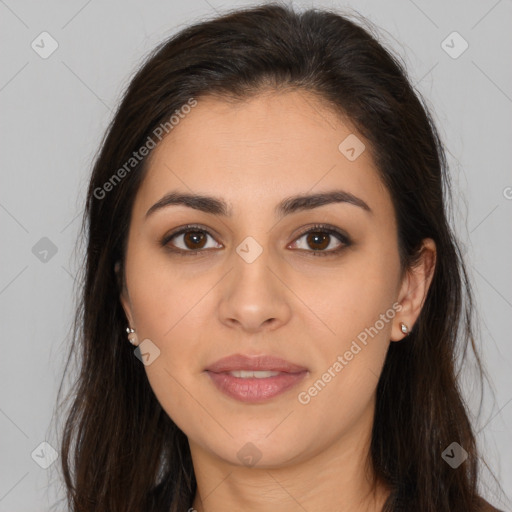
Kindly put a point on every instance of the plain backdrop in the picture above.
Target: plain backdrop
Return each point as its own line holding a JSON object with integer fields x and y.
{"x": 55, "y": 109}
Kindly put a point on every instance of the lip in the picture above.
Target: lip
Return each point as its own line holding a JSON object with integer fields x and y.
{"x": 253, "y": 389}
{"x": 262, "y": 363}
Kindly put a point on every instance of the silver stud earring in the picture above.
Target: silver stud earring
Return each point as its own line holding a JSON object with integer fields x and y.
{"x": 132, "y": 337}
{"x": 404, "y": 328}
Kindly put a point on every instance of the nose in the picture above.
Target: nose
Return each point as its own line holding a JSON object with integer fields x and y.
{"x": 255, "y": 297}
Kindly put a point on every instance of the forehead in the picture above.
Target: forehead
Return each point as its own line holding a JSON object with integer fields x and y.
{"x": 261, "y": 149}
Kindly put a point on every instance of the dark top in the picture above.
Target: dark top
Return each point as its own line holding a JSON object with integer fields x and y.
{"x": 487, "y": 507}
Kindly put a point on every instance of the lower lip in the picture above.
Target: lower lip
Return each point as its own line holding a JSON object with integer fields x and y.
{"x": 255, "y": 390}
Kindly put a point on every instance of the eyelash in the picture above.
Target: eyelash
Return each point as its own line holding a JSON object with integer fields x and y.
{"x": 322, "y": 228}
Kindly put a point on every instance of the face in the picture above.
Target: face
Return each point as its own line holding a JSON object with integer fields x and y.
{"x": 316, "y": 286}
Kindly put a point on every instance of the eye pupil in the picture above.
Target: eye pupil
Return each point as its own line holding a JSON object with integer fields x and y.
{"x": 317, "y": 237}
{"x": 196, "y": 237}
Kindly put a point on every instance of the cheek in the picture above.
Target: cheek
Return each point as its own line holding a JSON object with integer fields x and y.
{"x": 353, "y": 298}
{"x": 162, "y": 294}
{"x": 349, "y": 363}
{"x": 358, "y": 305}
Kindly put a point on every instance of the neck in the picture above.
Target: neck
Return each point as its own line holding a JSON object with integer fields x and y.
{"x": 339, "y": 478}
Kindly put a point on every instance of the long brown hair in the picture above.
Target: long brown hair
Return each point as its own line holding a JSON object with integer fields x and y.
{"x": 120, "y": 450}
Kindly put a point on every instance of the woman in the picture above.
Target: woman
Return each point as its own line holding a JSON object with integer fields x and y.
{"x": 266, "y": 225}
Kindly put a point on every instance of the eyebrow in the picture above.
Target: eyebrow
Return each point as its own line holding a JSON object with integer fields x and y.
{"x": 217, "y": 206}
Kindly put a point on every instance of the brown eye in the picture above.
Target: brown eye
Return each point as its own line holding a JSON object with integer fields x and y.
{"x": 321, "y": 241}
{"x": 194, "y": 239}
{"x": 318, "y": 240}
{"x": 188, "y": 240}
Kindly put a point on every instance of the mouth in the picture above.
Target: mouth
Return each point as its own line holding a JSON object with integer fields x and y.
{"x": 254, "y": 379}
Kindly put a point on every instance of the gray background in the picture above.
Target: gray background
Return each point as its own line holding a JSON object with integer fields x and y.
{"x": 54, "y": 114}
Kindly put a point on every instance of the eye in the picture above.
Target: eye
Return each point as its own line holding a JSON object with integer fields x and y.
{"x": 192, "y": 239}
{"x": 320, "y": 238}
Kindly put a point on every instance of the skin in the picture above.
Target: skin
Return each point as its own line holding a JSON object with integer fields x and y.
{"x": 288, "y": 302}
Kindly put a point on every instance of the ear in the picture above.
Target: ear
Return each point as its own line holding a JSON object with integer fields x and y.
{"x": 123, "y": 294}
{"x": 414, "y": 289}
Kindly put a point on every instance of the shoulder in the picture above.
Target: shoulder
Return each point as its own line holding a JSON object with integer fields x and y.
{"x": 485, "y": 506}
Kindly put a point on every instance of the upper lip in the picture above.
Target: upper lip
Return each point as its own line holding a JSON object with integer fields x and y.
{"x": 262, "y": 363}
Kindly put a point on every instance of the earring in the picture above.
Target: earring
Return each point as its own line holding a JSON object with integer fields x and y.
{"x": 404, "y": 328}
{"x": 132, "y": 337}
